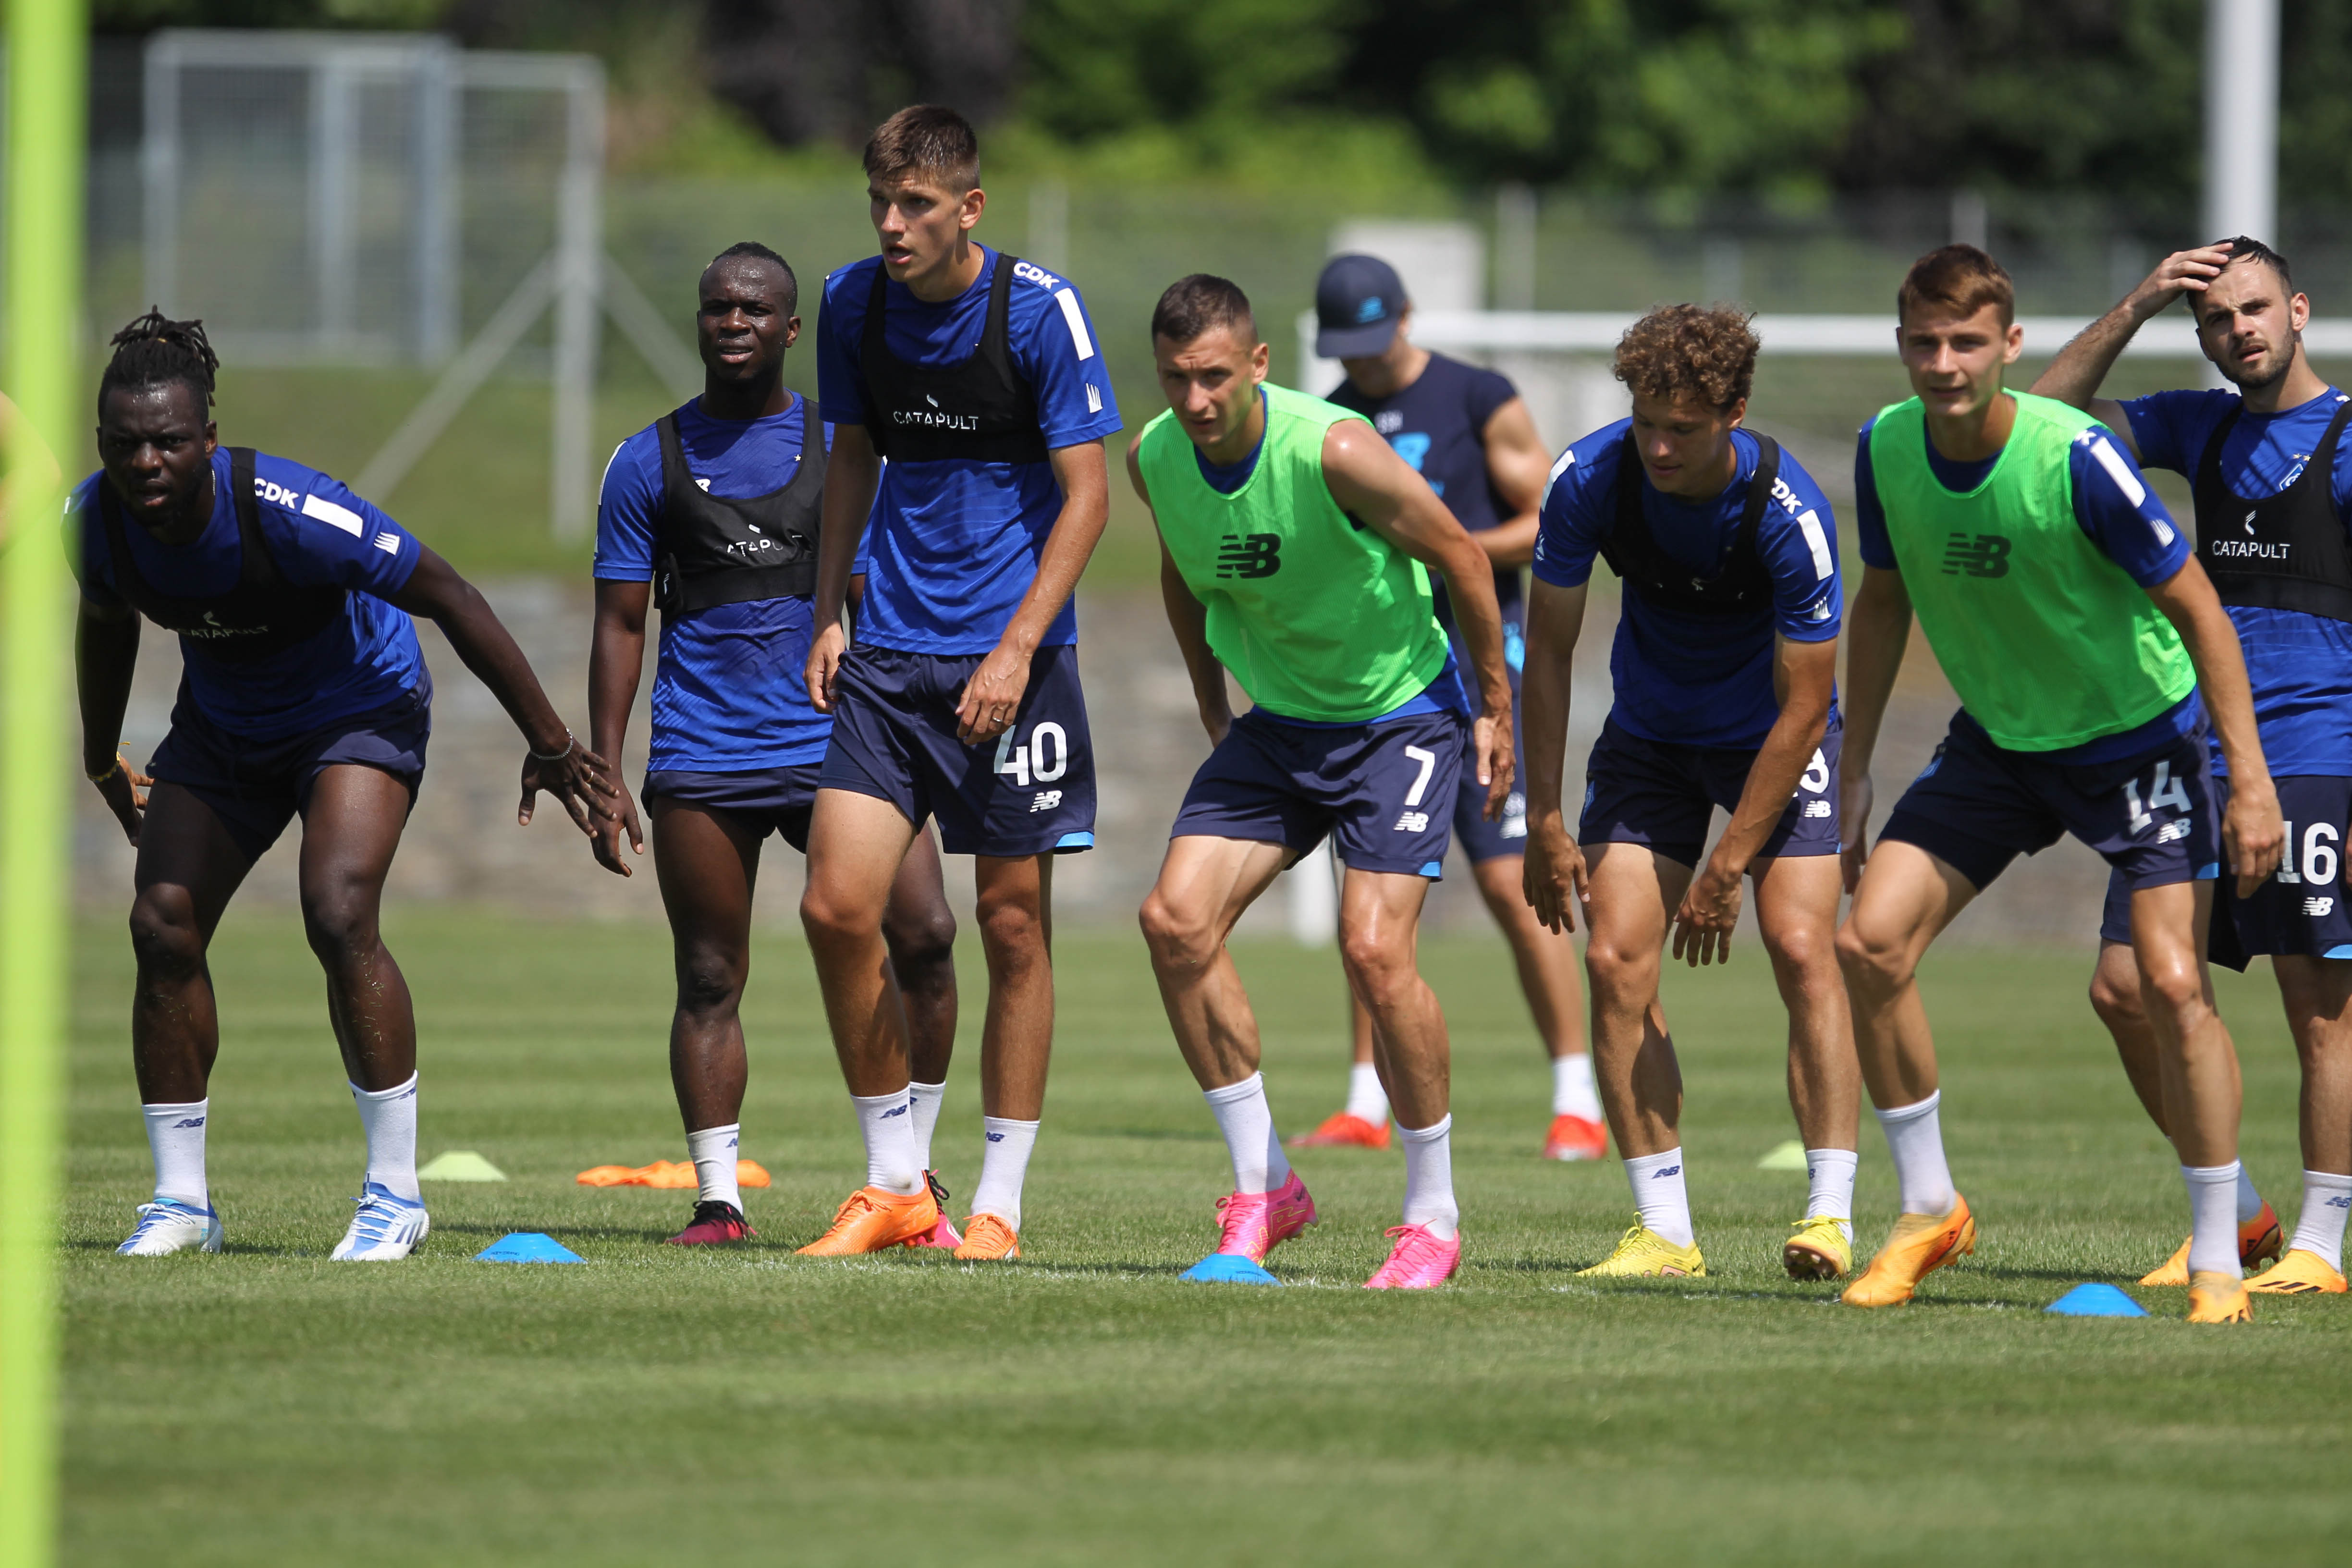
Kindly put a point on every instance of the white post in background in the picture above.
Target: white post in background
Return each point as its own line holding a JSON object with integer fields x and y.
{"x": 1049, "y": 226}
{"x": 580, "y": 253}
{"x": 434, "y": 259}
{"x": 158, "y": 167}
{"x": 1515, "y": 246}
{"x": 335, "y": 191}
{"x": 1971, "y": 219}
{"x": 1314, "y": 897}
{"x": 2241, "y": 63}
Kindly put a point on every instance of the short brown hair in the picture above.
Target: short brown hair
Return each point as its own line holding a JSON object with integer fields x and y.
{"x": 1201, "y": 303}
{"x": 1959, "y": 278}
{"x": 1689, "y": 348}
{"x": 925, "y": 139}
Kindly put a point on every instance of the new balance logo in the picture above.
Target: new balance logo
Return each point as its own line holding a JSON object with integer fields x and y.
{"x": 2173, "y": 832}
{"x": 895, "y": 1110}
{"x": 1817, "y": 808}
{"x": 1669, "y": 1171}
{"x": 190, "y": 1121}
{"x": 1046, "y": 801}
{"x": 1983, "y": 555}
{"x": 1249, "y": 556}
{"x": 1412, "y": 822}
{"x": 2337, "y": 1203}
{"x": 996, "y": 1137}
{"x": 2318, "y": 906}
{"x": 1094, "y": 398}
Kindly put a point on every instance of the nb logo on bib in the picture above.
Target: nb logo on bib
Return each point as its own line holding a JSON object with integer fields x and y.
{"x": 1249, "y": 556}
{"x": 1983, "y": 555}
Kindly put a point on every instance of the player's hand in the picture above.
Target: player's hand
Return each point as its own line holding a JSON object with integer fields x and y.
{"x": 581, "y": 779}
{"x": 826, "y": 650}
{"x": 991, "y": 699}
{"x": 1553, "y": 874}
{"x": 2182, "y": 272}
{"x": 121, "y": 792}
{"x": 1709, "y": 910}
{"x": 604, "y": 838}
{"x": 1490, "y": 736}
{"x": 1854, "y": 797}
{"x": 2253, "y": 836}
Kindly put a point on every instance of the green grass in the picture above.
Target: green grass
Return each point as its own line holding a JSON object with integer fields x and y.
{"x": 1083, "y": 1406}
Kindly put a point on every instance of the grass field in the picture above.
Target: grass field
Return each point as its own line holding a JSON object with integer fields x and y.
{"x": 1083, "y": 1406}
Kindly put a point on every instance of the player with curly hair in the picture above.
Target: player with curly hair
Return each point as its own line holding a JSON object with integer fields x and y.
{"x": 1724, "y": 669}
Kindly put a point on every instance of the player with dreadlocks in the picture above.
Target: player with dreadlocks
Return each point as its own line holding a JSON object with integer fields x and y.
{"x": 302, "y": 692}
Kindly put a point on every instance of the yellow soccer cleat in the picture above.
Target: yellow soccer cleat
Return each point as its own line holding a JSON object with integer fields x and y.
{"x": 2299, "y": 1273}
{"x": 987, "y": 1239}
{"x": 1818, "y": 1248}
{"x": 874, "y": 1219}
{"x": 2258, "y": 1243}
{"x": 2216, "y": 1298}
{"x": 1919, "y": 1246}
{"x": 1644, "y": 1253}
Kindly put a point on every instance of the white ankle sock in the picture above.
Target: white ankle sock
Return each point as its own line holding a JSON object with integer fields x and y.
{"x": 1830, "y": 1172}
{"x": 1660, "y": 1195}
{"x": 1914, "y": 1136}
{"x": 1573, "y": 1092}
{"x": 1366, "y": 1097}
{"x": 928, "y": 1099}
{"x": 1429, "y": 1178}
{"x": 714, "y": 1151}
{"x": 1247, "y": 1122}
{"x": 892, "y": 1163}
{"x": 1004, "y": 1163}
{"x": 2212, "y": 1213}
{"x": 2319, "y": 1228}
{"x": 2250, "y": 1202}
{"x": 389, "y": 1117}
{"x": 175, "y": 1136}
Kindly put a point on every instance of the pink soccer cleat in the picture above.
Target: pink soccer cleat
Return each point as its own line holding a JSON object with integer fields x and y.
{"x": 944, "y": 1234}
{"x": 1421, "y": 1261}
{"x": 1255, "y": 1223}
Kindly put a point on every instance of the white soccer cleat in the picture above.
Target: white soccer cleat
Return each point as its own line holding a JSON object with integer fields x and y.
{"x": 168, "y": 1226}
{"x": 386, "y": 1228}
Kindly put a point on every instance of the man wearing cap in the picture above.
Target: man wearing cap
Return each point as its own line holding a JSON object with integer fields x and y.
{"x": 1466, "y": 431}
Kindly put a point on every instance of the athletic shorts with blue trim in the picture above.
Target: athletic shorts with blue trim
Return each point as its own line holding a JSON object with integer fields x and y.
{"x": 1029, "y": 792}
{"x": 2302, "y": 911}
{"x": 1479, "y": 836}
{"x": 759, "y": 801}
{"x": 1638, "y": 790}
{"x": 1978, "y": 806}
{"x": 1380, "y": 790}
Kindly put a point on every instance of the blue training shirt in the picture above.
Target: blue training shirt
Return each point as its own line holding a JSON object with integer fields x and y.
{"x": 2114, "y": 508}
{"x": 731, "y": 692}
{"x": 2300, "y": 664}
{"x": 321, "y": 535}
{"x": 1684, "y": 678}
{"x": 954, "y": 543}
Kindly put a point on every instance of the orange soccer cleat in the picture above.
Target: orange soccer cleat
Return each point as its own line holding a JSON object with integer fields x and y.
{"x": 873, "y": 1219}
{"x": 987, "y": 1239}
{"x": 1575, "y": 1137}
{"x": 1919, "y": 1246}
{"x": 2258, "y": 1243}
{"x": 2300, "y": 1273}
{"x": 2218, "y": 1299}
{"x": 1344, "y": 1131}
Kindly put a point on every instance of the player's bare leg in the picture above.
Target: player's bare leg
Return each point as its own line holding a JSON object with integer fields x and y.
{"x": 2317, "y": 994}
{"x": 1796, "y": 911}
{"x": 919, "y": 930}
{"x": 1014, "y": 907}
{"x": 707, "y": 865}
{"x": 188, "y": 869}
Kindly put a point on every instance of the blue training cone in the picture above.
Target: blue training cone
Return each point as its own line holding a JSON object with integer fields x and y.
{"x": 1229, "y": 1268}
{"x": 527, "y": 1247}
{"x": 2096, "y": 1302}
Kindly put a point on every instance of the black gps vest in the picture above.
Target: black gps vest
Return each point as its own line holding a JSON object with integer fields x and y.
{"x": 263, "y": 613}
{"x": 2284, "y": 551}
{"x": 1742, "y": 587}
{"x": 718, "y": 551}
{"x": 981, "y": 408}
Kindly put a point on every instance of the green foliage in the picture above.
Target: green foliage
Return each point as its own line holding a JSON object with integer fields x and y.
{"x": 140, "y": 16}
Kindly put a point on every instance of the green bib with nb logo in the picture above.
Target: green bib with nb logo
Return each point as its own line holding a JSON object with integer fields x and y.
{"x": 1317, "y": 617}
{"x": 2048, "y": 642}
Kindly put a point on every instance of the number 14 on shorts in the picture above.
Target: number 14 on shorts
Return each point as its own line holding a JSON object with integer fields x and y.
{"x": 2163, "y": 790}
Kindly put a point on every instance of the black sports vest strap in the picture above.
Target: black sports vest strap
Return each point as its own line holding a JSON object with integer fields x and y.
{"x": 711, "y": 547}
{"x": 2288, "y": 551}
{"x": 981, "y": 408}
{"x": 1742, "y": 587}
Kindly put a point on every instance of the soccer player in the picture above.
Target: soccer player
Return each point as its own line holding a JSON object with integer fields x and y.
{"x": 1726, "y": 669}
{"x": 302, "y": 693}
{"x": 718, "y": 503}
{"x": 975, "y": 374}
{"x": 2273, "y": 500}
{"x": 2067, "y": 612}
{"x": 1467, "y": 432}
{"x": 1293, "y": 552}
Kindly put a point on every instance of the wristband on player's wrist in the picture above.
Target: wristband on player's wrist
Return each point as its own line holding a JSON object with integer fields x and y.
{"x": 104, "y": 773}
{"x": 571, "y": 744}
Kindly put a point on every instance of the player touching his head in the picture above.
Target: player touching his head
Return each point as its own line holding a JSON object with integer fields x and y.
{"x": 2067, "y": 612}
{"x": 1726, "y": 671}
{"x": 302, "y": 692}
{"x": 975, "y": 374}
{"x": 1466, "y": 431}
{"x": 711, "y": 512}
{"x": 1293, "y": 552}
{"x": 2273, "y": 500}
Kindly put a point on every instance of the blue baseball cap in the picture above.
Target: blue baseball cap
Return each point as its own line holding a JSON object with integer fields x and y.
{"x": 1357, "y": 301}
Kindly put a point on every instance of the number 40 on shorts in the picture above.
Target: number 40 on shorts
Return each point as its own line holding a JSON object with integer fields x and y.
{"x": 1043, "y": 758}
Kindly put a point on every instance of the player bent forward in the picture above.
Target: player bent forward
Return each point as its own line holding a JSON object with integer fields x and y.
{"x": 1293, "y": 546}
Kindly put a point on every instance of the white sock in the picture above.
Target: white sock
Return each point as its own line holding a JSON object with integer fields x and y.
{"x": 1366, "y": 1097}
{"x": 389, "y": 1117}
{"x": 714, "y": 1151}
{"x": 1914, "y": 1136}
{"x": 1429, "y": 1178}
{"x": 2319, "y": 1228}
{"x": 927, "y": 1097}
{"x": 2250, "y": 1202}
{"x": 1002, "y": 1166}
{"x": 175, "y": 1135}
{"x": 1660, "y": 1195}
{"x": 1247, "y": 1122}
{"x": 1573, "y": 1092}
{"x": 2212, "y": 1213}
{"x": 1831, "y": 1174}
{"x": 888, "y": 1122}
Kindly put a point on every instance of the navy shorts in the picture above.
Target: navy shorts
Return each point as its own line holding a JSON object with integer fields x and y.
{"x": 760, "y": 801}
{"x": 256, "y": 787}
{"x": 1380, "y": 790}
{"x": 1653, "y": 792}
{"x": 1030, "y": 791}
{"x": 2301, "y": 912}
{"x": 1977, "y": 808}
{"x": 1480, "y": 836}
